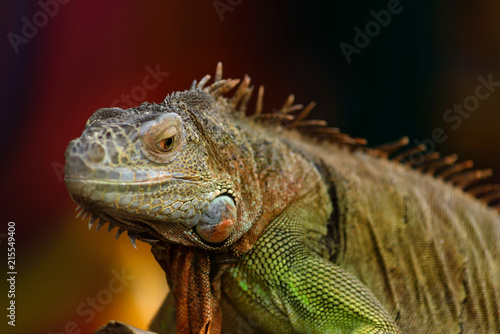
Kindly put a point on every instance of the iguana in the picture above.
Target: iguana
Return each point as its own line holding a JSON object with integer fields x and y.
{"x": 274, "y": 223}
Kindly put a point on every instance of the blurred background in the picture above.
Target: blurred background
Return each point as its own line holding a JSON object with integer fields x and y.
{"x": 63, "y": 59}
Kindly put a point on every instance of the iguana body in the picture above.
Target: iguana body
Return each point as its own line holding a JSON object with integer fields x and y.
{"x": 261, "y": 228}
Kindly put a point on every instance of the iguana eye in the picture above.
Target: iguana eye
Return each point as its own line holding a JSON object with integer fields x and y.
{"x": 165, "y": 144}
{"x": 162, "y": 138}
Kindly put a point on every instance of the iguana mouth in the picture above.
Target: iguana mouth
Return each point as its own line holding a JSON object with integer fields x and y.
{"x": 156, "y": 180}
{"x": 150, "y": 202}
{"x": 120, "y": 176}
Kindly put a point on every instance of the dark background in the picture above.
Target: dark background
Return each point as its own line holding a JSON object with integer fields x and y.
{"x": 89, "y": 53}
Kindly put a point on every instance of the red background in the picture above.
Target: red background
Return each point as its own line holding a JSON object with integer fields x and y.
{"x": 91, "y": 52}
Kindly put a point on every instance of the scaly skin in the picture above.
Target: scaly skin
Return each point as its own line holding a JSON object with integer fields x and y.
{"x": 263, "y": 229}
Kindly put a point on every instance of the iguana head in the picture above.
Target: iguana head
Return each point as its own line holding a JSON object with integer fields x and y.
{"x": 179, "y": 171}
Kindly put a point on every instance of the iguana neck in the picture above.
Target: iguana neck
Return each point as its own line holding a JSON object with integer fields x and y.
{"x": 286, "y": 176}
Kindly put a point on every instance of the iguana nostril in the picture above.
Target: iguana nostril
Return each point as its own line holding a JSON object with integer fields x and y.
{"x": 75, "y": 167}
{"x": 96, "y": 153}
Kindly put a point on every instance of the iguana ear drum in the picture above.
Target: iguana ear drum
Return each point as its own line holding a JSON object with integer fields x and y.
{"x": 217, "y": 223}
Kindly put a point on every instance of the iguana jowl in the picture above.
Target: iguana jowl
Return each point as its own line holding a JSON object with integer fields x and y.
{"x": 271, "y": 223}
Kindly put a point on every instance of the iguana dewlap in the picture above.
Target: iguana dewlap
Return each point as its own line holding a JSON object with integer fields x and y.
{"x": 271, "y": 223}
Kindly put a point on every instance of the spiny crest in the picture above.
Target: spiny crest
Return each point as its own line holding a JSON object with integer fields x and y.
{"x": 81, "y": 212}
{"x": 460, "y": 174}
{"x": 282, "y": 118}
{"x": 446, "y": 168}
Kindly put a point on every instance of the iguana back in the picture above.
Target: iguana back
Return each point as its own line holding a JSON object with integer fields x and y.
{"x": 427, "y": 250}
